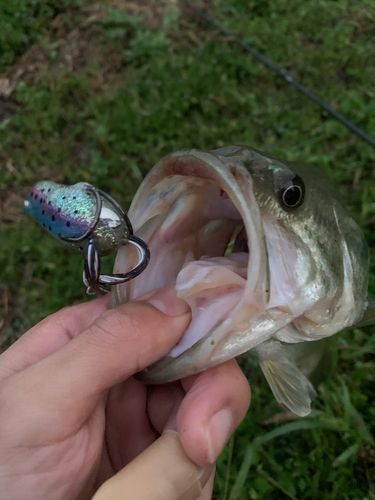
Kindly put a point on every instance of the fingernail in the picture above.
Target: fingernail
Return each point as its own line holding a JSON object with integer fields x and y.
{"x": 219, "y": 431}
{"x": 166, "y": 301}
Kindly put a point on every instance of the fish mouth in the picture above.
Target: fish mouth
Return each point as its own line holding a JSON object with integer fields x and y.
{"x": 199, "y": 216}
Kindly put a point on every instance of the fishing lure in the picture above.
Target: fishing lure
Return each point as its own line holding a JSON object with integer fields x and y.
{"x": 89, "y": 221}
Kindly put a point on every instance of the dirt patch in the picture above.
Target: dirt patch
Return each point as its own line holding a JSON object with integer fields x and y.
{"x": 72, "y": 49}
{"x": 8, "y": 108}
{"x": 28, "y": 67}
{"x": 10, "y": 206}
{"x": 77, "y": 48}
{"x": 153, "y": 10}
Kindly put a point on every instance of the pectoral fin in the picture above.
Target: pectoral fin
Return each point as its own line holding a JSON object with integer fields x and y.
{"x": 368, "y": 317}
{"x": 289, "y": 385}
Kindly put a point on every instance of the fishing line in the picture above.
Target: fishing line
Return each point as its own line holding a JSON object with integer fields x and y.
{"x": 284, "y": 74}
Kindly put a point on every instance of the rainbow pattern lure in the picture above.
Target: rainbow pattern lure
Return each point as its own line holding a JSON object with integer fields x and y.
{"x": 89, "y": 221}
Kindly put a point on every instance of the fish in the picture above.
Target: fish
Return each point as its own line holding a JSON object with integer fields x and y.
{"x": 88, "y": 221}
{"x": 265, "y": 254}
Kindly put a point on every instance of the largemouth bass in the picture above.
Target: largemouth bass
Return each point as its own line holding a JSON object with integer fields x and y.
{"x": 262, "y": 250}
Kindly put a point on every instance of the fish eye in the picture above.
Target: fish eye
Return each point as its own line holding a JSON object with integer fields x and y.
{"x": 293, "y": 193}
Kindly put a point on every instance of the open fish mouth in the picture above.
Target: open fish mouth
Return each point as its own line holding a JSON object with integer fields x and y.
{"x": 205, "y": 234}
{"x": 259, "y": 270}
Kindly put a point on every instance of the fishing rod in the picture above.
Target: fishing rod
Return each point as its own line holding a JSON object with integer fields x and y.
{"x": 283, "y": 73}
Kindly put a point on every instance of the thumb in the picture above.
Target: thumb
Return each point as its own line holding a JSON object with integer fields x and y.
{"x": 68, "y": 384}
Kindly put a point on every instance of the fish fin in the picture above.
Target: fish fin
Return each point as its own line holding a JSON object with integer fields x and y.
{"x": 368, "y": 317}
{"x": 316, "y": 360}
{"x": 289, "y": 385}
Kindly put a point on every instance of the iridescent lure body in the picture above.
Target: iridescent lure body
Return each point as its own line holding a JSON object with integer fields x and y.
{"x": 89, "y": 221}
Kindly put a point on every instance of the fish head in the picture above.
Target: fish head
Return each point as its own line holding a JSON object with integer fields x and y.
{"x": 70, "y": 212}
{"x": 262, "y": 250}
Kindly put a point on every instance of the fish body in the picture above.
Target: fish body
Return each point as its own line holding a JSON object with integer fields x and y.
{"x": 68, "y": 212}
{"x": 263, "y": 251}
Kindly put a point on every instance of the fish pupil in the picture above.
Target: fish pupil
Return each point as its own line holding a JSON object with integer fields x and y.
{"x": 292, "y": 196}
{"x": 292, "y": 193}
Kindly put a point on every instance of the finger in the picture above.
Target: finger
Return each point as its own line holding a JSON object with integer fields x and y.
{"x": 162, "y": 472}
{"x": 119, "y": 343}
{"x": 50, "y": 334}
{"x": 128, "y": 429}
{"x": 215, "y": 404}
{"x": 163, "y": 404}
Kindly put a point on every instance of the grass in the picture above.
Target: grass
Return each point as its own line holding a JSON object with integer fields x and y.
{"x": 107, "y": 91}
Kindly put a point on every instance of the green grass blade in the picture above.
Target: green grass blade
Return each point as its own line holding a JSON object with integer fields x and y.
{"x": 248, "y": 461}
{"x": 345, "y": 455}
{"x": 228, "y": 469}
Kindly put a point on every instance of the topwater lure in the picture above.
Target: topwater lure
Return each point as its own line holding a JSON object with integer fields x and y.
{"x": 89, "y": 221}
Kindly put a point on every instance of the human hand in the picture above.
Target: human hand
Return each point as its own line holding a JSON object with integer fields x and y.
{"x": 72, "y": 415}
